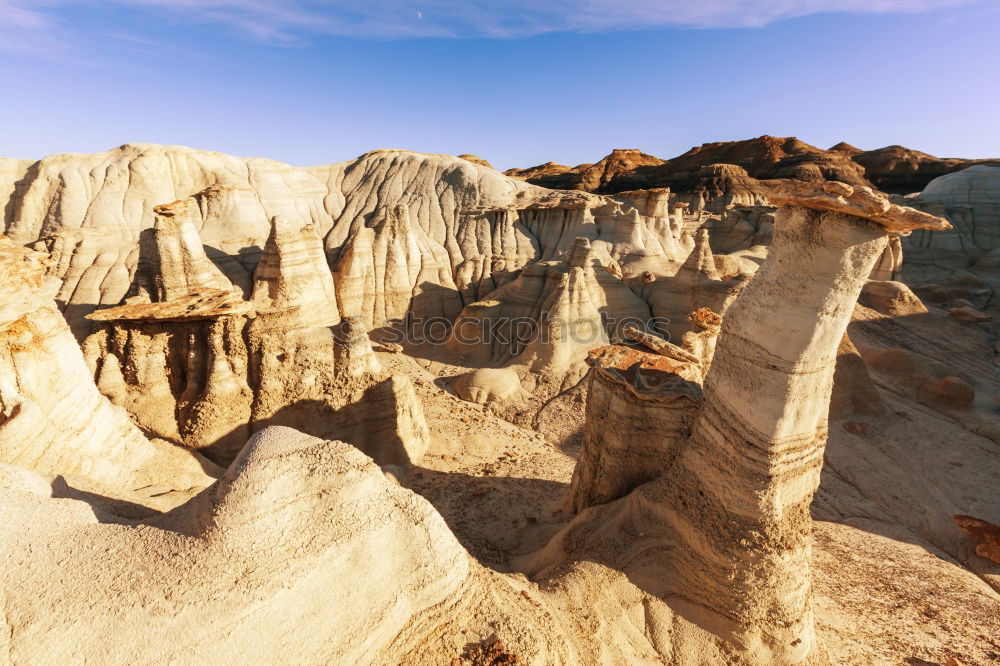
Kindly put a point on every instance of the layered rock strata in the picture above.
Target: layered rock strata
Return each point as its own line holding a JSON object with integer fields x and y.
{"x": 392, "y": 271}
{"x": 550, "y": 315}
{"x": 698, "y": 284}
{"x": 207, "y": 368}
{"x": 53, "y": 420}
{"x": 723, "y": 530}
{"x": 474, "y": 226}
{"x": 620, "y": 452}
{"x": 172, "y": 261}
{"x": 293, "y": 272}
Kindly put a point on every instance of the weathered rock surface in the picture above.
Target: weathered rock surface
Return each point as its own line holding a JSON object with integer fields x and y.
{"x": 984, "y": 533}
{"x": 697, "y": 284}
{"x": 893, "y": 299}
{"x": 619, "y": 451}
{"x": 762, "y": 157}
{"x": 198, "y": 303}
{"x": 550, "y": 315}
{"x": 623, "y": 169}
{"x": 393, "y": 269}
{"x": 293, "y": 272}
{"x": 486, "y": 385}
{"x": 893, "y": 169}
{"x": 736, "y": 524}
{"x": 474, "y": 226}
{"x": 52, "y": 418}
{"x": 970, "y": 200}
{"x": 267, "y": 548}
{"x": 172, "y": 261}
{"x": 860, "y": 202}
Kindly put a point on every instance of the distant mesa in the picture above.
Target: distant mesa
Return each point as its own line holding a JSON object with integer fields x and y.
{"x": 893, "y": 169}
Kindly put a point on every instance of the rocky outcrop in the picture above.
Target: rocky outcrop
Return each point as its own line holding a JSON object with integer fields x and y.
{"x": 893, "y": 169}
{"x": 984, "y": 533}
{"x": 889, "y": 266}
{"x": 352, "y": 349}
{"x": 718, "y": 186}
{"x": 475, "y": 159}
{"x": 660, "y": 346}
{"x": 267, "y": 547}
{"x": 207, "y": 369}
{"x": 970, "y": 200}
{"x": 53, "y": 420}
{"x": 689, "y": 541}
{"x": 474, "y": 226}
{"x": 860, "y": 202}
{"x": 620, "y": 452}
{"x": 549, "y": 169}
{"x": 624, "y": 169}
{"x": 393, "y": 269}
{"x": 724, "y": 528}
{"x": 293, "y": 272}
{"x": 764, "y": 157}
{"x": 893, "y": 299}
{"x": 172, "y": 261}
{"x": 487, "y": 385}
{"x": 386, "y": 423}
{"x": 697, "y": 284}
{"x": 198, "y": 304}
{"x": 550, "y": 315}
{"x": 769, "y": 157}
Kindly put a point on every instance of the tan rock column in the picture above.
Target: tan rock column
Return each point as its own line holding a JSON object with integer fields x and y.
{"x": 744, "y": 482}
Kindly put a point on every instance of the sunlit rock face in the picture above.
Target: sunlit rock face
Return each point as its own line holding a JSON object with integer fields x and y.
{"x": 471, "y": 226}
{"x": 54, "y": 420}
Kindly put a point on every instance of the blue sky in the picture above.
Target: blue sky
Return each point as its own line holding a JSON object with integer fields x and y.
{"x": 517, "y": 82}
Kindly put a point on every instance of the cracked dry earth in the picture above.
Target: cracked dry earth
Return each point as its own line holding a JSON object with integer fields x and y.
{"x": 227, "y": 434}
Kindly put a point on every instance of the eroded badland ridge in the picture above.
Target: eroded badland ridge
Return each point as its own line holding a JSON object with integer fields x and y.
{"x": 740, "y": 406}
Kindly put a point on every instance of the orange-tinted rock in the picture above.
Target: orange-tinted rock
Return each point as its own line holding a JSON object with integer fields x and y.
{"x": 645, "y": 372}
{"x": 855, "y": 200}
{"x": 621, "y": 451}
{"x": 199, "y": 304}
{"x": 705, "y": 318}
{"x": 475, "y": 159}
{"x": 984, "y": 533}
{"x": 624, "y": 169}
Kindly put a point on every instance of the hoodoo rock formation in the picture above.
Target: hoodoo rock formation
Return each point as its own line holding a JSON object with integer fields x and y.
{"x": 172, "y": 261}
{"x": 206, "y": 368}
{"x": 724, "y": 522}
{"x": 408, "y": 409}
{"x": 293, "y": 272}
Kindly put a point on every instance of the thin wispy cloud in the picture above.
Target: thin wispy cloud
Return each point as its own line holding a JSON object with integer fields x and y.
{"x": 27, "y": 25}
